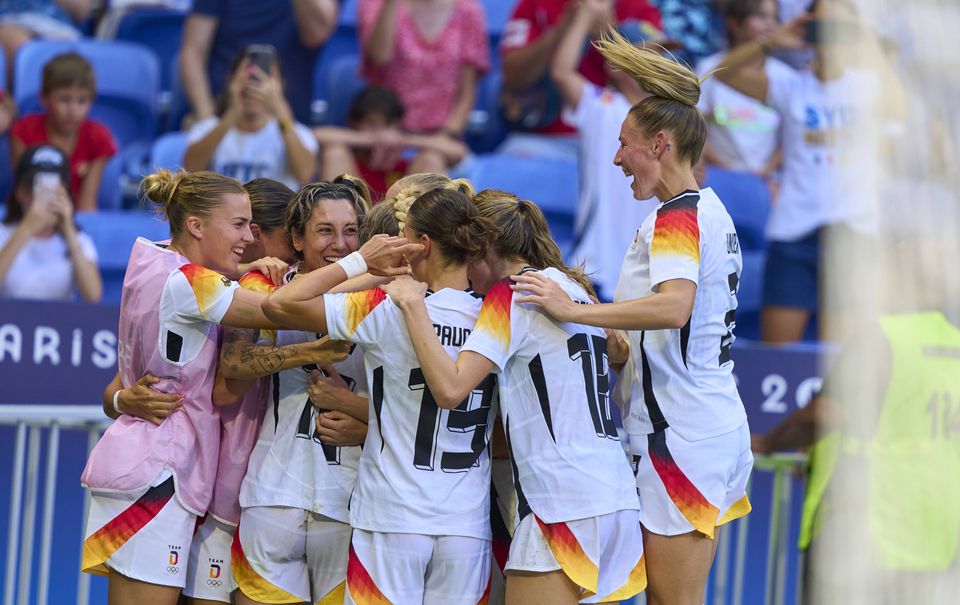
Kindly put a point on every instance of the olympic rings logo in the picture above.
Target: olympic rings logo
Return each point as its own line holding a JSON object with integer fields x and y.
{"x": 173, "y": 569}
{"x": 214, "y": 583}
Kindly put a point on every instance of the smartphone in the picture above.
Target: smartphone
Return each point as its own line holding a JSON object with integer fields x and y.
{"x": 820, "y": 31}
{"x": 45, "y": 186}
{"x": 263, "y": 56}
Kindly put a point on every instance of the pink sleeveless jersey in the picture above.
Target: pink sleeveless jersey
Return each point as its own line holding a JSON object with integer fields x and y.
{"x": 169, "y": 313}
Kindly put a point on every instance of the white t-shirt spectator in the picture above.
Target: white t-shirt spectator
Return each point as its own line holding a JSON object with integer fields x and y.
{"x": 825, "y": 178}
{"x": 744, "y": 131}
{"x": 42, "y": 270}
{"x": 607, "y": 214}
{"x": 252, "y": 155}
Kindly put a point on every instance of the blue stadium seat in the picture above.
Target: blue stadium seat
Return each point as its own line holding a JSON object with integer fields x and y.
{"x": 348, "y": 14}
{"x": 551, "y": 183}
{"x": 161, "y": 30}
{"x": 128, "y": 83}
{"x": 485, "y": 128}
{"x": 342, "y": 82}
{"x": 6, "y": 170}
{"x": 3, "y": 72}
{"x": 167, "y": 151}
{"x": 749, "y": 297}
{"x": 747, "y": 200}
{"x": 498, "y": 13}
{"x": 113, "y": 234}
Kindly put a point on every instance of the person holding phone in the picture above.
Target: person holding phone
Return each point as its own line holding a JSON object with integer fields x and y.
{"x": 256, "y": 134}
{"x": 42, "y": 253}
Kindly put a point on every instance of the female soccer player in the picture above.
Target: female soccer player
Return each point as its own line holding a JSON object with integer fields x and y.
{"x": 294, "y": 533}
{"x": 579, "y": 532}
{"x": 677, "y": 298}
{"x": 173, "y": 301}
{"x": 420, "y": 508}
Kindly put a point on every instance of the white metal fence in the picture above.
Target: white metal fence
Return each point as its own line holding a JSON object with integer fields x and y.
{"x": 33, "y": 422}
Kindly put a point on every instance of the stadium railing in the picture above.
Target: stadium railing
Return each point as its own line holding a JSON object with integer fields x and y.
{"x": 33, "y": 423}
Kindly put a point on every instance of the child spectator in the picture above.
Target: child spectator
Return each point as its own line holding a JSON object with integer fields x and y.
{"x": 67, "y": 94}
{"x": 373, "y": 144}
{"x": 255, "y": 135}
{"x": 607, "y": 213}
{"x": 529, "y": 100}
{"x": 42, "y": 254}
{"x": 431, "y": 54}
{"x": 743, "y": 133}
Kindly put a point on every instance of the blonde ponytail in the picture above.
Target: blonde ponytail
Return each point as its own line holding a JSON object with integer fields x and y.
{"x": 183, "y": 194}
{"x": 674, "y": 93}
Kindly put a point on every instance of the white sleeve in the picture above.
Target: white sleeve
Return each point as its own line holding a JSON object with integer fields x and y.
{"x": 579, "y": 116}
{"x": 199, "y": 294}
{"x": 350, "y": 316}
{"x": 87, "y": 247}
{"x": 306, "y": 137}
{"x": 201, "y": 129}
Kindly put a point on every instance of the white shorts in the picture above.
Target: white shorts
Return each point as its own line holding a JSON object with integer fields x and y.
{"x": 691, "y": 485}
{"x": 412, "y": 569}
{"x": 602, "y": 555}
{"x": 208, "y": 570}
{"x": 143, "y": 536}
{"x": 290, "y": 555}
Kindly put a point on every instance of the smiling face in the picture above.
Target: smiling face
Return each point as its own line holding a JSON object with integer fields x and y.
{"x": 225, "y": 233}
{"x": 330, "y": 234}
{"x": 637, "y": 159}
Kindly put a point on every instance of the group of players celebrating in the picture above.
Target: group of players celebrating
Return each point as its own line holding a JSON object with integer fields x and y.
{"x": 358, "y": 446}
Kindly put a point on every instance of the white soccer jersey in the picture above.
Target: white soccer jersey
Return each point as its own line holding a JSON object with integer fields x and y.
{"x": 556, "y": 408}
{"x": 423, "y": 469}
{"x": 289, "y": 466}
{"x": 685, "y": 376}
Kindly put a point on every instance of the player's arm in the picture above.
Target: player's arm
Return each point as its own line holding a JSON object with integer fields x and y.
{"x": 242, "y": 358}
{"x": 331, "y": 393}
{"x": 449, "y": 381}
{"x": 669, "y": 307}
{"x": 299, "y": 304}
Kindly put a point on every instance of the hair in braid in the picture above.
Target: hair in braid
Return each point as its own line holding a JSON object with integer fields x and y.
{"x": 410, "y": 187}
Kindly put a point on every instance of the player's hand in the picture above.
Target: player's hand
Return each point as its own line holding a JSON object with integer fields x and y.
{"x": 386, "y": 255}
{"x": 327, "y": 392}
{"x": 324, "y": 351}
{"x": 274, "y": 268}
{"x": 405, "y": 290}
{"x": 142, "y": 401}
{"x": 543, "y": 291}
{"x": 339, "y": 429}
{"x": 618, "y": 349}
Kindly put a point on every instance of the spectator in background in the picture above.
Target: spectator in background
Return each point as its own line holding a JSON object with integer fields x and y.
{"x": 529, "y": 100}
{"x": 693, "y": 25}
{"x": 431, "y": 54}
{"x": 607, "y": 213}
{"x": 255, "y": 136}
{"x": 8, "y": 111}
{"x": 216, "y": 31}
{"x": 373, "y": 143}
{"x": 743, "y": 133}
{"x": 42, "y": 254}
{"x": 67, "y": 93}
{"x": 23, "y": 20}
{"x": 820, "y": 108}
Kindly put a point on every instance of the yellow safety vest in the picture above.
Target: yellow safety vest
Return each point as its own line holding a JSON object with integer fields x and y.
{"x": 914, "y": 456}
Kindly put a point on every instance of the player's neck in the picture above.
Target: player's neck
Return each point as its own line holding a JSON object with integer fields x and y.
{"x": 505, "y": 268}
{"x": 438, "y": 278}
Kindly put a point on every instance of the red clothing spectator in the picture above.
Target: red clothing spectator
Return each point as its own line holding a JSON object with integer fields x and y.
{"x": 531, "y": 18}
{"x": 424, "y": 73}
{"x": 94, "y": 142}
{"x": 380, "y": 180}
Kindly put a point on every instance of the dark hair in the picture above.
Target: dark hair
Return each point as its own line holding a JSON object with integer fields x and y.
{"x": 68, "y": 69}
{"x": 357, "y": 183}
{"x": 302, "y": 205}
{"x": 375, "y": 100}
{"x": 738, "y": 10}
{"x": 184, "y": 194}
{"x": 523, "y": 234}
{"x": 268, "y": 202}
{"x": 452, "y": 221}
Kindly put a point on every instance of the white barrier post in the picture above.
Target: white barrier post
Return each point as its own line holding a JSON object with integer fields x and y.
{"x": 49, "y": 496}
{"x": 16, "y": 495}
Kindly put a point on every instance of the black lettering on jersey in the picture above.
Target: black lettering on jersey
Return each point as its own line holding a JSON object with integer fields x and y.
{"x": 733, "y": 243}
{"x": 174, "y": 346}
{"x": 733, "y": 280}
{"x": 451, "y": 336}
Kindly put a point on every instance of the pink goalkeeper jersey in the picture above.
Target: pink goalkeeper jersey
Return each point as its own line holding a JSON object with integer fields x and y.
{"x": 239, "y": 427}
{"x": 168, "y": 328}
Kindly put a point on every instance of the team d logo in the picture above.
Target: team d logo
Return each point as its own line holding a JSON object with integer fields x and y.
{"x": 174, "y": 557}
{"x": 214, "y": 571}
